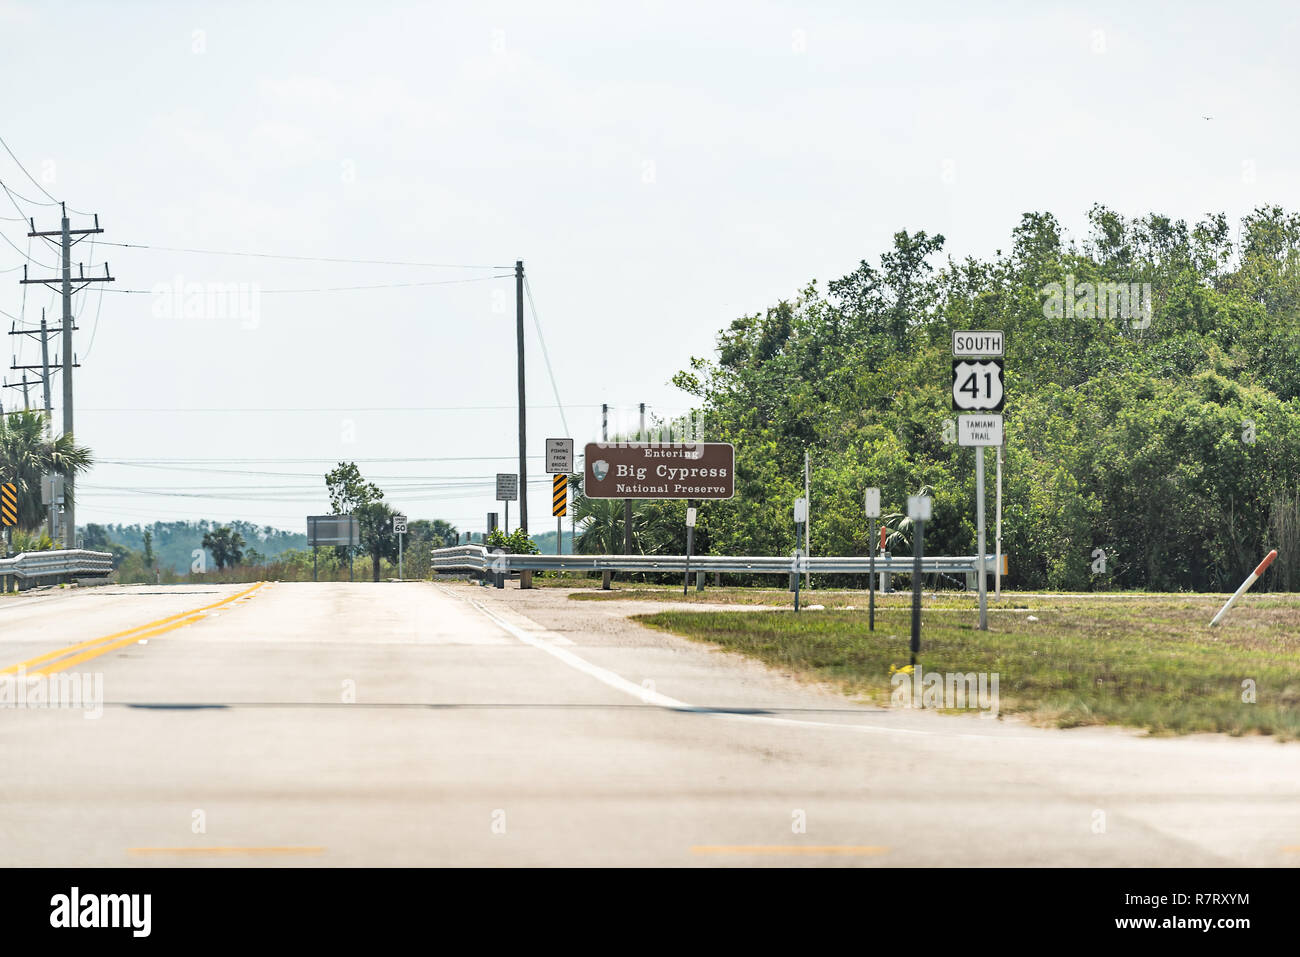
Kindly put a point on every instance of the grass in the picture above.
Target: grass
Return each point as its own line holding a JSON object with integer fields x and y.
{"x": 590, "y": 590}
{"x": 1151, "y": 662}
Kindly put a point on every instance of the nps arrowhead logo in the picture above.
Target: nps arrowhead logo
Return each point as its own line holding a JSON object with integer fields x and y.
{"x": 600, "y": 468}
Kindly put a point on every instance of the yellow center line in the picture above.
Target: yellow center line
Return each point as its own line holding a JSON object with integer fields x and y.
{"x": 845, "y": 849}
{"x": 99, "y": 646}
{"x": 225, "y": 850}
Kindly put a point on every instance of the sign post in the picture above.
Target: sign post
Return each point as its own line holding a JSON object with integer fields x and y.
{"x": 559, "y": 462}
{"x": 340, "y": 531}
{"x": 507, "y": 491}
{"x": 918, "y": 510}
{"x": 997, "y": 534}
{"x": 399, "y": 526}
{"x": 9, "y": 511}
{"x": 978, "y": 386}
{"x": 800, "y": 519}
{"x": 559, "y": 507}
{"x": 690, "y": 543}
{"x": 872, "y": 499}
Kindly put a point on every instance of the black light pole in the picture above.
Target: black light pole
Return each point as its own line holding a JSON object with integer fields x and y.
{"x": 800, "y": 517}
{"x": 918, "y": 509}
{"x": 690, "y": 543}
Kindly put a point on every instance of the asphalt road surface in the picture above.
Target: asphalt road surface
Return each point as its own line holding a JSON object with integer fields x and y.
{"x": 421, "y": 724}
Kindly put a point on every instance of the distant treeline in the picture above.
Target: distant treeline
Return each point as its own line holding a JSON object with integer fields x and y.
{"x": 173, "y": 543}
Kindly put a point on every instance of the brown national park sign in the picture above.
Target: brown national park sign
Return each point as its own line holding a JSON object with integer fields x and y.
{"x": 704, "y": 470}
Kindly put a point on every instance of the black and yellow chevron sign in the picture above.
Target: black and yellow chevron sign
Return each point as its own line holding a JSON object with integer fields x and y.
{"x": 560, "y": 497}
{"x": 9, "y": 503}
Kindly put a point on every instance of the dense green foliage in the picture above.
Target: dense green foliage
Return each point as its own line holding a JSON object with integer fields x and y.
{"x": 1173, "y": 445}
{"x": 516, "y": 543}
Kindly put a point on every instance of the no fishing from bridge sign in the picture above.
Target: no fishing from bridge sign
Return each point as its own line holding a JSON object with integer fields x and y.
{"x": 703, "y": 470}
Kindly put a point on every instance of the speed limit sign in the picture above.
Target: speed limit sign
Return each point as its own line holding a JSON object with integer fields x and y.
{"x": 977, "y": 385}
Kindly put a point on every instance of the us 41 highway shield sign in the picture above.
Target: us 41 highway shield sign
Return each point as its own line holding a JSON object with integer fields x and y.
{"x": 977, "y": 385}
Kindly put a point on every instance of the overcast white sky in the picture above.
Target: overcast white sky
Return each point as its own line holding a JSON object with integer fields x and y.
{"x": 661, "y": 168}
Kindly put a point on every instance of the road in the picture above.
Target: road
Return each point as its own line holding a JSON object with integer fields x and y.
{"x": 421, "y": 724}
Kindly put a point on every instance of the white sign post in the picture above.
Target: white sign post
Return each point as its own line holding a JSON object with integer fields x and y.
{"x": 691, "y": 513}
{"x": 978, "y": 386}
{"x": 399, "y": 526}
{"x": 872, "y": 502}
{"x": 507, "y": 491}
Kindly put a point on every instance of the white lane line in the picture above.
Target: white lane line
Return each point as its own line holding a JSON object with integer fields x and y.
{"x": 582, "y": 664}
{"x": 647, "y": 696}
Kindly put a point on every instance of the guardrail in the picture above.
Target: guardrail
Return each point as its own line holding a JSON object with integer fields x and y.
{"x": 57, "y": 561}
{"x": 476, "y": 558}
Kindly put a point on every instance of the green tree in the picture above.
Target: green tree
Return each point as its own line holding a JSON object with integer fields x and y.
{"x": 348, "y": 491}
{"x": 375, "y": 520}
{"x": 516, "y": 543}
{"x": 225, "y": 546}
{"x": 27, "y": 452}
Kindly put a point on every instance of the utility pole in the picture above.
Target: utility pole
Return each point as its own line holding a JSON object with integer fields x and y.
{"x": 65, "y": 234}
{"x": 523, "y": 431}
{"x": 43, "y": 367}
{"x": 45, "y": 383}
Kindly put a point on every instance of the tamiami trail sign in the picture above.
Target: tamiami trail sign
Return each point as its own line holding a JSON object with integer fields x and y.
{"x": 691, "y": 470}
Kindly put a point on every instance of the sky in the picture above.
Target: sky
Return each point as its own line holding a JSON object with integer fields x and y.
{"x": 660, "y": 168}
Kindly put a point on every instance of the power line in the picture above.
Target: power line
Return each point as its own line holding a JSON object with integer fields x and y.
{"x": 245, "y": 472}
{"x": 546, "y": 356}
{"x": 53, "y": 201}
{"x": 390, "y": 483}
{"x": 13, "y": 193}
{"x": 316, "y": 461}
{"x": 99, "y": 305}
{"x": 25, "y": 255}
{"x": 337, "y": 410}
{"x": 385, "y": 285}
{"x": 310, "y": 259}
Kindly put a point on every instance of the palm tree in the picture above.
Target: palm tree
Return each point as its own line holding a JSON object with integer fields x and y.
{"x": 601, "y": 524}
{"x": 900, "y": 534}
{"x": 27, "y": 453}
